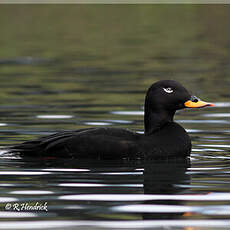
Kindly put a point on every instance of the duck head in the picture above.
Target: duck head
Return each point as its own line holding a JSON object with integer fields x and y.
{"x": 162, "y": 100}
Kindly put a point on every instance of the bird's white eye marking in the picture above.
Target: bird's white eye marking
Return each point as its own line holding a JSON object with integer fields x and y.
{"x": 168, "y": 90}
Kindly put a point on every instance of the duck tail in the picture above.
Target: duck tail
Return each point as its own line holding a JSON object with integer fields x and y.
{"x": 26, "y": 148}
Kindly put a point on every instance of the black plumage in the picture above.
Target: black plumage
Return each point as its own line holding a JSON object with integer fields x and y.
{"x": 162, "y": 137}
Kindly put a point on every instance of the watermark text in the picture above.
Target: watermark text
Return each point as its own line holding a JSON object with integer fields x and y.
{"x": 37, "y": 206}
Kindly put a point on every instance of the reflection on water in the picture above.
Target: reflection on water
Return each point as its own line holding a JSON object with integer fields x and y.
{"x": 92, "y": 67}
{"x": 166, "y": 178}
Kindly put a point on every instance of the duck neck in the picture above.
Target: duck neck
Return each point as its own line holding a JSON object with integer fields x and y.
{"x": 156, "y": 118}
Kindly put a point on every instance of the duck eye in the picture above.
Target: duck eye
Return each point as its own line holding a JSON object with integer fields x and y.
{"x": 168, "y": 90}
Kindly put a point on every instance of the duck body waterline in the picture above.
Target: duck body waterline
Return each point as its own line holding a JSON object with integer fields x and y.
{"x": 162, "y": 137}
{"x": 111, "y": 143}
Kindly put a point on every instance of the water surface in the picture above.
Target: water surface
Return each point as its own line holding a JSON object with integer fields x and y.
{"x": 68, "y": 67}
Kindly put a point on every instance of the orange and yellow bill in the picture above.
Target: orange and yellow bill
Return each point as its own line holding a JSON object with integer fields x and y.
{"x": 198, "y": 104}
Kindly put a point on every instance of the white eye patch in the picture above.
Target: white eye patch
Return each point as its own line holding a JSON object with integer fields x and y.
{"x": 168, "y": 90}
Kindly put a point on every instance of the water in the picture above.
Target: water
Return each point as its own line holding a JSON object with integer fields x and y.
{"x": 68, "y": 67}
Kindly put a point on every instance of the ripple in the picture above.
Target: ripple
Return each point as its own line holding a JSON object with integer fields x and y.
{"x": 216, "y": 157}
{"x": 215, "y": 146}
{"x": 216, "y": 115}
{"x": 193, "y": 130}
{"x": 216, "y": 210}
{"x": 31, "y": 173}
{"x": 97, "y": 123}
{"x": 100, "y": 185}
{"x": 130, "y": 224}
{"x": 65, "y": 170}
{"x": 16, "y": 214}
{"x": 7, "y": 199}
{"x": 207, "y": 149}
{"x": 135, "y": 113}
{"x": 204, "y": 121}
{"x": 140, "y": 197}
{"x": 7, "y": 185}
{"x": 81, "y": 185}
{"x": 222, "y": 104}
{"x": 119, "y": 121}
{"x": 54, "y": 116}
{"x": 204, "y": 169}
{"x": 31, "y": 192}
{"x": 141, "y": 132}
{"x": 149, "y": 208}
{"x": 122, "y": 173}
{"x": 2, "y": 152}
